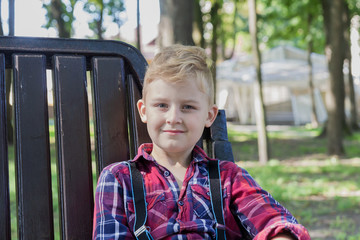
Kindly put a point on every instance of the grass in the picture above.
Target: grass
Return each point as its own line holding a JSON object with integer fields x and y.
{"x": 322, "y": 192}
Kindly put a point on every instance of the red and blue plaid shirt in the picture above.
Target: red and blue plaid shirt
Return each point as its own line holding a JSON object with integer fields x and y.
{"x": 186, "y": 213}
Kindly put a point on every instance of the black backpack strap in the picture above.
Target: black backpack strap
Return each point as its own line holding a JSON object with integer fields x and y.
{"x": 138, "y": 192}
{"x": 216, "y": 197}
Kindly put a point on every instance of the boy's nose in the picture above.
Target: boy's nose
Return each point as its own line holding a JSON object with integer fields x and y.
{"x": 173, "y": 116}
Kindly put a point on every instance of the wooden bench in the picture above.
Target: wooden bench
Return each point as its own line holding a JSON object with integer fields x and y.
{"x": 116, "y": 72}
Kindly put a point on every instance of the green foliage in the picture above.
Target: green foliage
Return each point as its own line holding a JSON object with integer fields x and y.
{"x": 291, "y": 22}
{"x": 233, "y": 25}
{"x": 354, "y": 7}
{"x": 60, "y": 15}
{"x": 99, "y": 9}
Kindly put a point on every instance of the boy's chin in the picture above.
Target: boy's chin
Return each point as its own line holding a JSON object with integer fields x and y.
{"x": 174, "y": 147}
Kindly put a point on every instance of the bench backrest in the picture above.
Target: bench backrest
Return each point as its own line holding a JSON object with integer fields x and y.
{"x": 116, "y": 72}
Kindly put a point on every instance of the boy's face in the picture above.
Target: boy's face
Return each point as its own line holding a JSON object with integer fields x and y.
{"x": 176, "y": 115}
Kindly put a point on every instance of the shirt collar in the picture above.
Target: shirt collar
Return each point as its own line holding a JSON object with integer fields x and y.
{"x": 144, "y": 151}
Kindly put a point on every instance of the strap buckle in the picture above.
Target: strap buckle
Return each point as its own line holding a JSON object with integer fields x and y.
{"x": 140, "y": 230}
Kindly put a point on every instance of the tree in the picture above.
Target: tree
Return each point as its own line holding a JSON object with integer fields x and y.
{"x": 229, "y": 32}
{"x": 296, "y": 23}
{"x": 11, "y": 17}
{"x": 353, "y": 111}
{"x": 217, "y": 26}
{"x": 299, "y": 25}
{"x": 215, "y": 22}
{"x": 1, "y": 28}
{"x": 176, "y": 22}
{"x": 333, "y": 11}
{"x": 96, "y": 10}
{"x": 223, "y": 19}
{"x": 314, "y": 118}
{"x": 259, "y": 101}
{"x": 286, "y": 22}
{"x": 99, "y": 9}
{"x": 199, "y": 24}
{"x": 60, "y": 16}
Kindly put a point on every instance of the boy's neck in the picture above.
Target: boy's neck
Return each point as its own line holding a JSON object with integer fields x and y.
{"x": 176, "y": 163}
{"x": 171, "y": 160}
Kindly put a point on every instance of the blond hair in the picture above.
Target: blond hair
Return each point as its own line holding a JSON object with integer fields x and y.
{"x": 179, "y": 63}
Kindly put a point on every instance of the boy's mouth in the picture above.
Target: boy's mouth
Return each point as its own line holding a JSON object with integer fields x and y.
{"x": 173, "y": 132}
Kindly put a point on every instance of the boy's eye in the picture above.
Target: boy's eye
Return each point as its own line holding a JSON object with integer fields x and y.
{"x": 188, "y": 107}
{"x": 161, "y": 105}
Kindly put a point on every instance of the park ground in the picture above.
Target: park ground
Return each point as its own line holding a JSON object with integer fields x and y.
{"x": 321, "y": 191}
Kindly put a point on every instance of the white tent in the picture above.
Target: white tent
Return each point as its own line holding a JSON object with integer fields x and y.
{"x": 285, "y": 75}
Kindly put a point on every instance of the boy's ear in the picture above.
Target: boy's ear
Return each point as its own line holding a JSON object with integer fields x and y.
{"x": 212, "y": 113}
{"x": 142, "y": 110}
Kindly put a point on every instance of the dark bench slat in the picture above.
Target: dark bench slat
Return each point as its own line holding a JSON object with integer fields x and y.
{"x": 137, "y": 127}
{"x": 109, "y": 95}
{"x": 35, "y": 216}
{"x": 4, "y": 171}
{"x": 73, "y": 147}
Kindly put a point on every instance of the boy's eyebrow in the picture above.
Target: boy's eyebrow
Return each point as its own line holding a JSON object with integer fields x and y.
{"x": 156, "y": 99}
{"x": 191, "y": 101}
{"x": 188, "y": 100}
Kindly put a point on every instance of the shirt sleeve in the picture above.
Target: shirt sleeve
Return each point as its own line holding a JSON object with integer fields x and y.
{"x": 259, "y": 213}
{"x": 109, "y": 212}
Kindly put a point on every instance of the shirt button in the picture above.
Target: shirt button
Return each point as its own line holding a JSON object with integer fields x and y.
{"x": 181, "y": 203}
{"x": 208, "y": 193}
{"x": 166, "y": 173}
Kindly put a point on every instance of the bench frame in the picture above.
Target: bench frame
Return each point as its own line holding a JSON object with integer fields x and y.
{"x": 117, "y": 70}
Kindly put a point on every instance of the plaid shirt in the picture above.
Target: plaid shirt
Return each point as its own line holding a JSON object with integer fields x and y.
{"x": 186, "y": 213}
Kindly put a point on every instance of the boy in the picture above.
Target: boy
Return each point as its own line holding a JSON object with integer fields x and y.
{"x": 177, "y": 104}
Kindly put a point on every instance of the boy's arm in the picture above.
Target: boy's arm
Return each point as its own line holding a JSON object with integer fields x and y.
{"x": 109, "y": 212}
{"x": 260, "y": 213}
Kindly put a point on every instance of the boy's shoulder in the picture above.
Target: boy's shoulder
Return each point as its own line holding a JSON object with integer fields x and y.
{"x": 231, "y": 169}
{"x": 117, "y": 169}
{"x": 228, "y": 166}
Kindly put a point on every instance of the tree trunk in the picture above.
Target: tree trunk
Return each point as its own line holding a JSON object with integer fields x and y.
{"x": 57, "y": 11}
{"x": 99, "y": 23}
{"x": 353, "y": 110}
{"x": 199, "y": 23}
{"x": 11, "y": 17}
{"x": 263, "y": 144}
{"x": 333, "y": 10}
{"x": 314, "y": 118}
{"x": 215, "y": 21}
{"x": 176, "y": 19}
{"x": 1, "y": 28}
{"x": 223, "y": 40}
